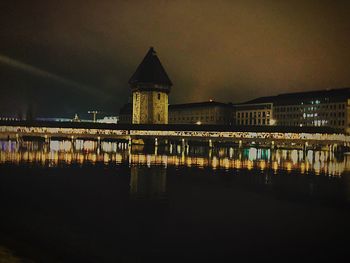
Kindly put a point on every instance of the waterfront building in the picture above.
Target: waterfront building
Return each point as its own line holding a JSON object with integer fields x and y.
{"x": 330, "y": 108}
{"x": 259, "y": 114}
{"x": 326, "y": 108}
{"x": 150, "y": 86}
{"x": 207, "y": 112}
{"x": 109, "y": 119}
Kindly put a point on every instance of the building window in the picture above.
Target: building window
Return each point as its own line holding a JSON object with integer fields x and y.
{"x": 158, "y": 96}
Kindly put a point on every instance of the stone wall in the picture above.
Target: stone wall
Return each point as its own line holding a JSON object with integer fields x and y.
{"x": 150, "y": 107}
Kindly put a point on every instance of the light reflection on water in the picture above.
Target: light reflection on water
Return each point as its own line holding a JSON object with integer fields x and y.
{"x": 141, "y": 193}
{"x": 80, "y": 152}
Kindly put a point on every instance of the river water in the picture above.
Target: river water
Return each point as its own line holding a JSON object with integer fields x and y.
{"x": 83, "y": 202}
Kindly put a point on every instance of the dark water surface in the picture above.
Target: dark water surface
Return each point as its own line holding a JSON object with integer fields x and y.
{"x": 83, "y": 203}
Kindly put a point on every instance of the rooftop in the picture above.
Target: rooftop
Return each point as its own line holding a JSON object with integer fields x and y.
{"x": 150, "y": 71}
{"x": 210, "y": 103}
{"x": 330, "y": 95}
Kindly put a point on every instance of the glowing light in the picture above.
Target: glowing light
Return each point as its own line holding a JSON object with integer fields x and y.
{"x": 231, "y": 152}
{"x": 309, "y": 156}
{"x": 262, "y": 165}
{"x": 302, "y": 168}
{"x": 250, "y": 165}
{"x": 54, "y": 145}
{"x": 252, "y": 154}
{"x": 238, "y": 164}
{"x": 320, "y": 162}
{"x": 225, "y": 163}
{"x": 214, "y": 162}
{"x": 275, "y": 166}
{"x": 89, "y": 145}
{"x": 294, "y": 156}
{"x": 106, "y": 158}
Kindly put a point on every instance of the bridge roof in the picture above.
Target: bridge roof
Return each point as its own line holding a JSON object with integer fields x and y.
{"x": 150, "y": 71}
{"x": 171, "y": 127}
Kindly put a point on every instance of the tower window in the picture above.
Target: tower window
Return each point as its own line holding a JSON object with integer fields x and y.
{"x": 158, "y": 96}
{"x": 158, "y": 113}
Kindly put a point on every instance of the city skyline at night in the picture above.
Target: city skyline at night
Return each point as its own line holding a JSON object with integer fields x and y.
{"x": 174, "y": 131}
{"x": 60, "y": 59}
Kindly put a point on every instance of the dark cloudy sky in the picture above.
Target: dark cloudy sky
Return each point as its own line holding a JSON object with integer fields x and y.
{"x": 62, "y": 57}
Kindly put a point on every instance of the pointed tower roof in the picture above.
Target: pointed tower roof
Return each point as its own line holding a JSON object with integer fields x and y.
{"x": 150, "y": 71}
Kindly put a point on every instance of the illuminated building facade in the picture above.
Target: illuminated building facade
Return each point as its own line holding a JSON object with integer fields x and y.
{"x": 330, "y": 108}
{"x": 326, "y": 108}
{"x": 208, "y": 112}
{"x": 150, "y": 87}
{"x": 259, "y": 114}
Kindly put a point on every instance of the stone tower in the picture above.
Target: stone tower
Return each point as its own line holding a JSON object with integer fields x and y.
{"x": 150, "y": 86}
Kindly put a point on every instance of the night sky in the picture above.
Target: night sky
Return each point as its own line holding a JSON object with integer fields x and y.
{"x": 64, "y": 57}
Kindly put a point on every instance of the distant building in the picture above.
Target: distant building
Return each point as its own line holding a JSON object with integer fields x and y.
{"x": 56, "y": 119}
{"x": 329, "y": 108}
{"x": 150, "y": 87}
{"x": 208, "y": 112}
{"x": 326, "y": 108}
{"x": 109, "y": 119}
{"x": 76, "y": 118}
{"x": 259, "y": 114}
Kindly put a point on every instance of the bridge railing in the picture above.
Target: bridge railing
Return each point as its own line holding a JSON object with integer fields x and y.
{"x": 55, "y": 130}
{"x": 245, "y": 135}
{"x": 300, "y": 136}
